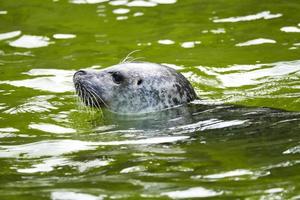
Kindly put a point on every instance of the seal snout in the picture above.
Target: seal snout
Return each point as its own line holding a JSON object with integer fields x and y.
{"x": 77, "y": 75}
{"x": 80, "y": 73}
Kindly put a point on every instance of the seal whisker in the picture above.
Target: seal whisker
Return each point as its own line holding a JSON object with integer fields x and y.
{"x": 81, "y": 99}
{"x": 98, "y": 106}
{"x": 94, "y": 94}
{"x": 95, "y": 102}
{"x": 92, "y": 90}
{"x": 85, "y": 99}
{"x": 83, "y": 94}
{"x": 134, "y": 59}
{"x": 128, "y": 56}
{"x": 79, "y": 93}
{"x": 89, "y": 97}
{"x": 91, "y": 103}
{"x": 75, "y": 93}
{"x": 88, "y": 101}
{"x": 93, "y": 99}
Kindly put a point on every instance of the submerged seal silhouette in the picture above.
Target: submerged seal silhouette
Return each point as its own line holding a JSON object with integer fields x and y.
{"x": 133, "y": 88}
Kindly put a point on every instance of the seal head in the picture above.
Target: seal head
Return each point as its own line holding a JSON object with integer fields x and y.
{"x": 133, "y": 88}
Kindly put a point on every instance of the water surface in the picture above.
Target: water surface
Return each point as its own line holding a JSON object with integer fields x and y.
{"x": 240, "y": 141}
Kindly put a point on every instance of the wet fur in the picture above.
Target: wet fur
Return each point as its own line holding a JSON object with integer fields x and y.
{"x": 147, "y": 87}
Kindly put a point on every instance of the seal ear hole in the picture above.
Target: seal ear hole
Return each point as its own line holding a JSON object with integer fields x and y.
{"x": 140, "y": 81}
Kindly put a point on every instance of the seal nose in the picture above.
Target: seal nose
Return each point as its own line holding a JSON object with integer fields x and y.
{"x": 80, "y": 73}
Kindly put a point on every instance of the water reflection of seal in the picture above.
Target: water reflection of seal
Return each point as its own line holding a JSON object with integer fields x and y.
{"x": 133, "y": 88}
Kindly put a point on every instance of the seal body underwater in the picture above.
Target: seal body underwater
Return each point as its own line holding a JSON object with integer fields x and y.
{"x": 136, "y": 87}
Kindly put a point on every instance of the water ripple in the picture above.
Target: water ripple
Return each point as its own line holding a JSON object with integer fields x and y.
{"x": 63, "y": 36}
{"x": 51, "y": 128}
{"x": 30, "y": 41}
{"x": 196, "y": 192}
{"x": 207, "y": 125}
{"x": 54, "y": 80}
{"x": 290, "y": 29}
{"x": 67, "y": 195}
{"x": 242, "y": 82}
{"x": 261, "y": 15}
{"x": 60, "y": 147}
{"x": 35, "y": 104}
{"x": 4, "y": 36}
{"x": 49, "y": 165}
{"x": 3, "y": 12}
{"x": 256, "y": 42}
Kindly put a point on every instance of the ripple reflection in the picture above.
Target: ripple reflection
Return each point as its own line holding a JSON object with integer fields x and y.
{"x": 261, "y": 15}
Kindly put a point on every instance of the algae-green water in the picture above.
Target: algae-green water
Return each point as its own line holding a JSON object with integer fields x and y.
{"x": 240, "y": 140}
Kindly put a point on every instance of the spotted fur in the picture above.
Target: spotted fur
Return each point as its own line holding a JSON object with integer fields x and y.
{"x": 133, "y": 88}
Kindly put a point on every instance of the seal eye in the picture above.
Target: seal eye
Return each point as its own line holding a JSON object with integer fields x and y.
{"x": 117, "y": 77}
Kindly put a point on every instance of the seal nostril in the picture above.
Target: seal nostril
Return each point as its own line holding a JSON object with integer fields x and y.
{"x": 80, "y": 73}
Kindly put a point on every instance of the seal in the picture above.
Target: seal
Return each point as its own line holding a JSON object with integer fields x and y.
{"x": 135, "y": 87}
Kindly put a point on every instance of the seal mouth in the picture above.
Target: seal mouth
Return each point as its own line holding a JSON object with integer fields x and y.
{"x": 88, "y": 95}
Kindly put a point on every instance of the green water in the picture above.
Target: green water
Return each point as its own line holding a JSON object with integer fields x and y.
{"x": 240, "y": 141}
